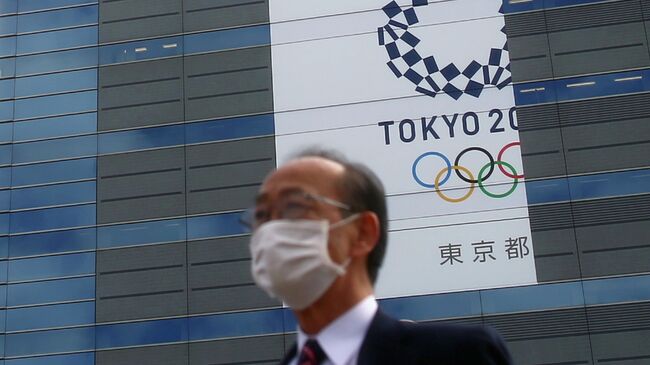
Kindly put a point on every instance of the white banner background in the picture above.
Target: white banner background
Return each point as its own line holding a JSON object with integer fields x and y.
{"x": 332, "y": 87}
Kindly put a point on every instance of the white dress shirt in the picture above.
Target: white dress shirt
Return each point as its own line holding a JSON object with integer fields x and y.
{"x": 341, "y": 340}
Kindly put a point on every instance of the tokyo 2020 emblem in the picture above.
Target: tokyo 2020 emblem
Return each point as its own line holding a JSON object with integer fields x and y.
{"x": 429, "y": 76}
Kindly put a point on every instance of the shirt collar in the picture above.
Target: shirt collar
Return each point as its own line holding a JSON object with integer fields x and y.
{"x": 342, "y": 338}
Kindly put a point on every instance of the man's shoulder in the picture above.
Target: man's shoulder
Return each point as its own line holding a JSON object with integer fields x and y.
{"x": 443, "y": 343}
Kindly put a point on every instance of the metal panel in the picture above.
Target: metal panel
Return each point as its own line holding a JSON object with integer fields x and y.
{"x": 606, "y": 134}
{"x": 620, "y": 333}
{"x": 208, "y": 14}
{"x": 530, "y": 58}
{"x": 220, "y": 279}
{"x": 530, "y": 326}
{"x": 141, "y": 185}
{"x": 133, "y": 19}
{"x": 600, "y": 49}
{"x": 228, "y": 83}
{"x": 614, "y": 249}
{"x": 552, "y": 337}
{"x": 541, "y": 141}
{"x": 556, "y": 255}
{"x": 608, "y": 12}
{"x": 141, "y": 282}
{"x": 525, "y": 24}
{"x": 550, "y": 217}
{"x": 622, "y": 348}
{"x": 542, "y": 153}
{"x": 253, "y": 350}
{"x": 634, "y": 208}
{"x": 226, "y": 175}
{"x": 645, "y": 5}
{"x": 140, "y": 94}
{"x": 153, "y": 355}
{"x": 573, "y": 350}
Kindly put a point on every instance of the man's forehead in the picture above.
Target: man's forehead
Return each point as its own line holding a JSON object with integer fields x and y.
{"x": 308, "y": 174}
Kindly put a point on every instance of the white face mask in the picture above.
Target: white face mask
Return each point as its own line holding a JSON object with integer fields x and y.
{"x": 291, "y": 261}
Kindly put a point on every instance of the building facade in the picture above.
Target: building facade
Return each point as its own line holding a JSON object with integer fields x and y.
{"x": 134, "y": 132}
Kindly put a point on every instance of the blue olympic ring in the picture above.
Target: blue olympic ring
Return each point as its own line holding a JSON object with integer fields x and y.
{"x": 415, "y": 165}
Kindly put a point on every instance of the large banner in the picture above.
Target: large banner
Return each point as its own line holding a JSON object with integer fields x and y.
{"x": 421, "y": 92}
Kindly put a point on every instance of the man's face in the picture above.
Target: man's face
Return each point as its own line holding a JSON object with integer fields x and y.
{"x": 292, "y": 192}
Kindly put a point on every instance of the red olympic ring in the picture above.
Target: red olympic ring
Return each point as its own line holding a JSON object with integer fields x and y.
{"x": 503, "y": 150}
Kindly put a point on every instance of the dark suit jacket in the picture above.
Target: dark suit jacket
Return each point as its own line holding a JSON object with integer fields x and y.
{"x": 394, "y": 342}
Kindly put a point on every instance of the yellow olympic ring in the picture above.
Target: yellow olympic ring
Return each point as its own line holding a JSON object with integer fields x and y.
{"x": 454, "y": 200}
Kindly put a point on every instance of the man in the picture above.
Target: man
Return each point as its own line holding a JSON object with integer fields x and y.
{"x": 319, "y": 237}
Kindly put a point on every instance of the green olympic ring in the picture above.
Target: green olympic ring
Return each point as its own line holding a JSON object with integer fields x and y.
{"x": 492, "y": 195}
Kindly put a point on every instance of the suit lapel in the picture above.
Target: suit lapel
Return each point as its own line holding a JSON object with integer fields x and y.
{"x": 383, "y": 342}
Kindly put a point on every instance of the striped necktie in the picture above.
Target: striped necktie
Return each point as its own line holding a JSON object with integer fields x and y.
{"x": 311, "y": 354}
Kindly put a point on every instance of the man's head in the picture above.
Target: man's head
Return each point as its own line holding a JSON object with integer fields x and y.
{"x": 323, "y": 185}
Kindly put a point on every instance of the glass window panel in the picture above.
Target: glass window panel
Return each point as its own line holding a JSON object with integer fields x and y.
{"x": 7, "y": 89}
{"x": 617, "y": 290}
{"x": 217, "y": 130}
{"x": 51, "y": 172}
{"x": 3, "y": 199}
{"x": 84, "y": 15}
{"x": 55, "y": 149}
{"x": 7, "y": 24}
{"x": 44, "y": 196}
{"x": 6, "y": 111}
{"x": 56, "y": 104}
{"x": 3, "y": 271}
{"x": 141, "y": 50}
{"x": 4, "y": 223}
{"x": 68, "y": 125}
{"x": 3, "y": 319}
{"x": 3, "y": 295}
{"x": 610, "y": 184}
{"x": 6, "y": 131}
{"x": 33, "y": 5}
{"x": 4, "y": 251}
{"x": 141, "y": 139}
{"x": 227, "y": 39}
{"x": 52, "y": 316}
{"x": 55, "y": 40}
{"x": 535, "y": 297}
{"x": 52, "y": 242}
{"x": 37, "y": 343}
{"x": 7, "y": 67}
{"x": 5, "y": 177}
{"x": 236, "y": 324}
{"x": 439, "y": 306}
{"x": 215, "y": 226}
{"x": 56, "y": 83}
{"x": 8, "y": 7}
{"x": 141, "y": 233}
{"x": 56, "y": 61}
{"x": 87, "y": 358}
{"x": 142, "y": 333}
{"x": 51, "y": 291}
{"x": 52, "y": 266}
{"x": 7, "y": 46}
{"x": 546, "y": 191}
{"x": 5, "y": 154}
{"x": 53, "y": 218}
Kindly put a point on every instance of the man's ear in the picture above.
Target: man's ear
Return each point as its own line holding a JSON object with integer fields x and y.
{"x": 369, "y": 231}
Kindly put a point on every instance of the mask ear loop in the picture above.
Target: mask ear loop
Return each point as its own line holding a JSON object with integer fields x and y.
{"x": 341, "y": 268}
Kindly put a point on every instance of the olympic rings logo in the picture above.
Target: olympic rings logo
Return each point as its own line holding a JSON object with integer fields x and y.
{"x": 467, "y": 176}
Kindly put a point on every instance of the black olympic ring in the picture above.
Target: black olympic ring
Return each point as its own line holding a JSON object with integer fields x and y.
{"x": 480, "y": 149}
